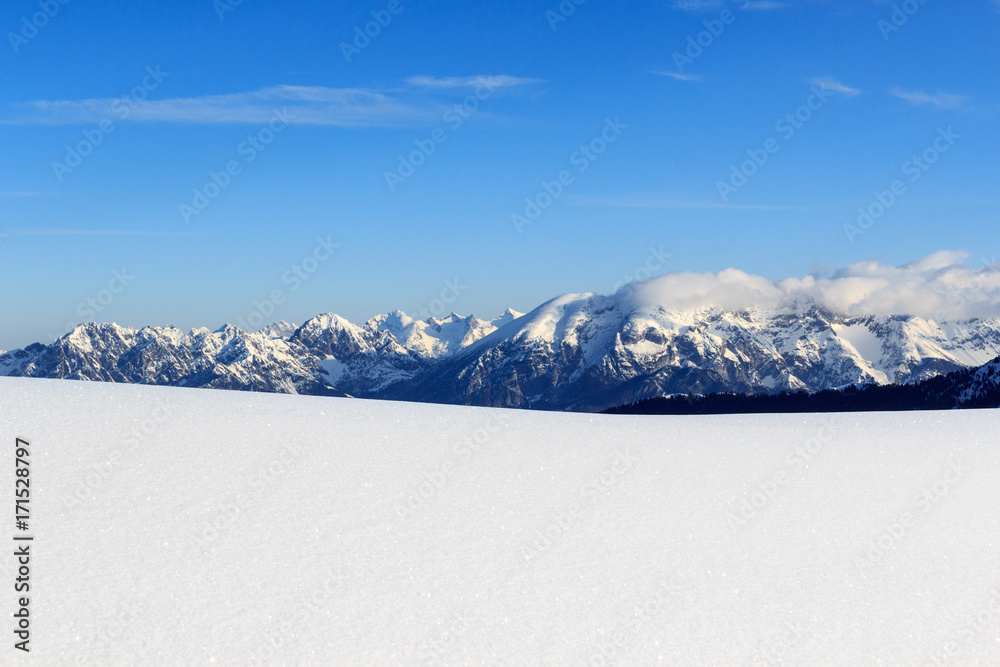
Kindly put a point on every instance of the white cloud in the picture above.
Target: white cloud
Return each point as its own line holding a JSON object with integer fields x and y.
{"x": 712, "y": 5}
{"x": 308, "y": 105}
{"x": 96, "y": 232}
{"x": 831, "y": 84}
{"x": 937, "y": 287}
{"x": 939, "y": 100}
{"x": 491, "y": 81}
{"x": 763, "y": 5}
{"x": 304, "y": 105}
{"x": 696, "y": 5}
{"x": 679, "y": 76}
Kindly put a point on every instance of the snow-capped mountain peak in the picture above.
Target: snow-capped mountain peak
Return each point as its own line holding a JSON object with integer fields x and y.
{"x": 577, "y": 351}
{"x": 280, "y": 329}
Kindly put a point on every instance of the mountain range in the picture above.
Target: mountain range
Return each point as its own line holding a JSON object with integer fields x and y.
{"x": 581, "y": 352}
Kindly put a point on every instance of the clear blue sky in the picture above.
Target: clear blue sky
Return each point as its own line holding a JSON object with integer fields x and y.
{"x": 886, "y": 95}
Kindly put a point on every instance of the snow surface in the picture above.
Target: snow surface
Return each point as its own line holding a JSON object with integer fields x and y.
{"x": 240, "y": 528}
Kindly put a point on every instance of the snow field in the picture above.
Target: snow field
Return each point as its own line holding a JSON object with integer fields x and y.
{"x": 192, "y": 526}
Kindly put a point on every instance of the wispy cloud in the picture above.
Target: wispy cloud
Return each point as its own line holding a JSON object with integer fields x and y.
{"x": 696, "y": 5}
{"x": 939, "y": 100}
{"x": 310, "y": 105}
{"x": 451, "y": 82}
{"x": 679, "y": 76}
{"x": 302, "y": 105}
{"x": 832, "y": 85}
{"x": 712, "y": 5}
{"x": 662, "y": 202}
{"x": 94, "y": 232}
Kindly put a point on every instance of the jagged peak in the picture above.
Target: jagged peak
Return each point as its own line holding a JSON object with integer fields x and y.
{"x": 98, "y": 326}
{"x": 228, "y": 328}
{"x": 88, "y": 329}
{"x": 329, "y": 321}
{"x": 395, "y": 321}
{"x": 505, "y": 317}
{"x": 450, "y": 319}
{"x": 279, "y": 329}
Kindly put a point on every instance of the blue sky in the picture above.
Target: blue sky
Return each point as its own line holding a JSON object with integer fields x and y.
{"x": 208, "y": 86}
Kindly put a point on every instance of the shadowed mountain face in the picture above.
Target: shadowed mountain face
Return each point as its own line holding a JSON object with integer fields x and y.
{"x": 577, "y": 352}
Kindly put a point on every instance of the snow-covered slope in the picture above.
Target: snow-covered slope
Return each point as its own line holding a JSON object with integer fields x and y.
{"x": 579, "y": 351}
{"x": 199, "y": 527}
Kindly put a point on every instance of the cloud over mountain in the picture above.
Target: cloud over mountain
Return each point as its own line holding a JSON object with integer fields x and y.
{"x": 939, "y": 286}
